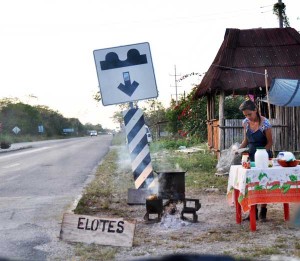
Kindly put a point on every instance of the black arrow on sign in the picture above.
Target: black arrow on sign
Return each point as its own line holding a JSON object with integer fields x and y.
{"x": 128, "y": 88}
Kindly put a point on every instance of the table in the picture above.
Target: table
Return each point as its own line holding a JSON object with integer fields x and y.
{"x": 248, "y": 187}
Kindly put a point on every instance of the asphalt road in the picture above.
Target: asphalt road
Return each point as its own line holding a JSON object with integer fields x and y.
{"x": 37, "y": 186}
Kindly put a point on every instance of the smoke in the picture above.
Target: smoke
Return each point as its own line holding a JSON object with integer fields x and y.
{"x": 178, "y": 168}
{"x": 153, "y": 186}
{"x": 124, "y": 161}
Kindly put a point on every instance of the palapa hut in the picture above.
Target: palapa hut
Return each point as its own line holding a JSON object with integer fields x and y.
{"x": 240, "y": 68}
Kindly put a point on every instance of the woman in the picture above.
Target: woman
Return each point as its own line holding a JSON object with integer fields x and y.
{"x": 257, "y": 133}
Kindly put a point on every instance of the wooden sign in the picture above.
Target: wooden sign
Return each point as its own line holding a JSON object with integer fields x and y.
{"x": 98, "y": 230}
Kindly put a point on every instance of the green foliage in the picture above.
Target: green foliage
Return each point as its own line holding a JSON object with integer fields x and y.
{"x": 119, "y": 139}
{"x": 26, "y": 117}
{"x": 197, "y": 161}
{"x": 188, "y": 117}
{"x": 154, "y": 112}
{"x": 174, "y": 143}
{"x": 118, "y": 118}
{"x": 231, "y": 107}
{"x": 18, "y": 114}
{"x": 200, "y": 166}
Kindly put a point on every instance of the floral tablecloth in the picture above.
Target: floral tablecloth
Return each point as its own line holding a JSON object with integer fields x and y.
{"x": 262, "y": 186}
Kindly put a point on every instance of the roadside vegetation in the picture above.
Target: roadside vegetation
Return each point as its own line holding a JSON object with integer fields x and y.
{"x": 200, "y": 168}
{"x": 183, "y": 121}
{"x": 106, "y": 193}
{"x": 34, "y": 123}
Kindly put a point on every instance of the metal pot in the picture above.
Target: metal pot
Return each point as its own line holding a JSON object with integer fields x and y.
{"x": 171, "y": 185}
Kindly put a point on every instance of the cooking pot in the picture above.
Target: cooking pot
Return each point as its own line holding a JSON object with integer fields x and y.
{"x": 171, "y": 185}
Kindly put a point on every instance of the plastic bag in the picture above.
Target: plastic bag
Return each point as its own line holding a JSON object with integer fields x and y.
{"x": 228, "y": 157}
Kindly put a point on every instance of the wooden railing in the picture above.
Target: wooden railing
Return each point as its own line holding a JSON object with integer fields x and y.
{"x": 232, "y": 132}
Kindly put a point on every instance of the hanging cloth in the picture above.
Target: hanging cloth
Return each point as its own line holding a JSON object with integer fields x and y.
{"x": 284, "y": 92}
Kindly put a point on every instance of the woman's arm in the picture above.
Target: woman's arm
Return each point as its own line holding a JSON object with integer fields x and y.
{"x": 268, "y": 133}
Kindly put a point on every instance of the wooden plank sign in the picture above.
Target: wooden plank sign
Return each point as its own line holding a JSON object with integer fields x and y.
{"x": 98, "y": 230}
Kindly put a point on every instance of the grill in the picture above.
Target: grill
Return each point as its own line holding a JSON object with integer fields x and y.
{"x": 171, "y": 188}
{"x": 154, "y": 206}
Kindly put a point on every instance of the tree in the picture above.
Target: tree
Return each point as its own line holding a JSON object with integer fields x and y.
{"x": 28, "y": 118}
{"x": 154, "y": 112}
{"x": 97, "y": 96}
{"x": 231, "y": 107}
{"x": 188, "y": 118}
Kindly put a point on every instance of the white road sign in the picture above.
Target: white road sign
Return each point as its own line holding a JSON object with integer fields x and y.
{"x": 125, "y": 73}
{"x": 16, "y": 130}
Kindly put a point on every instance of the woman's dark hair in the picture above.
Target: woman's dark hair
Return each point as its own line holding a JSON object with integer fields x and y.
{"x": 250, "y": 105}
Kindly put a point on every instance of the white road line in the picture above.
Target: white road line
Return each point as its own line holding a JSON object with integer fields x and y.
{"x": 23, "y": 152}
{"x": 11, "y": 166}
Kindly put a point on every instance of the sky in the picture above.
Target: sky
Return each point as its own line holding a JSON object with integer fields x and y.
{"x": 46, "y": 54}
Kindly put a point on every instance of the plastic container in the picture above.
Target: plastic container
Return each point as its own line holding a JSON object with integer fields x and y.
{"x": 252, "y": 164}
{"x": 286, "y": 155}
{"x": 245, "y": 157}
{"x": 261, "y": 158}
{"x": 245, "y": 160}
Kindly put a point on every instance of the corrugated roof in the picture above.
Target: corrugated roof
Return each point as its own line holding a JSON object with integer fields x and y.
{"x": 240, "y": 63}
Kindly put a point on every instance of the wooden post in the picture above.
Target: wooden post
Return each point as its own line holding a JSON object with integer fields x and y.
{"x": 269, "y": 106}
{"x": 267, "y": 92}
{"x": 208, "y": 107}
{"x": 221, "y": 120}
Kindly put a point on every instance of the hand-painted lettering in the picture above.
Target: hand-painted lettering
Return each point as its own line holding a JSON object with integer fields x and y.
{"x": 80, "y": 223}
{"x": 95, "y": 224}
{"x": 120, "y": 228}
{"x": 87, "y": 225}
{"x": 104, "y": 222}
{"x": 111, "y": 226}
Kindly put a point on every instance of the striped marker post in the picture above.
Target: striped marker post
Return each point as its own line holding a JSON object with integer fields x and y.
{"x": 138, "y": 148}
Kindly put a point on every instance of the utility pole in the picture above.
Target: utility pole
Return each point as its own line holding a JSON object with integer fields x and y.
{"x": 176, "y": 87}
{"x": 280, "y": 14}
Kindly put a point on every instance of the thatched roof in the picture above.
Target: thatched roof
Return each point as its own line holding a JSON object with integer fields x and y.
{"x": 253, "y": 50}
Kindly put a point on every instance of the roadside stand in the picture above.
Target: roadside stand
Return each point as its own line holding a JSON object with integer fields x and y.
{"x": 276, "y": 183}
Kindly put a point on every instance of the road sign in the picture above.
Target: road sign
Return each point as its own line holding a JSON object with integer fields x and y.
{"x": 40, "y": 128}
{"x": 69, "y": 130}
{"x": 125, "y": 73}
{"x": 16, "y": 130}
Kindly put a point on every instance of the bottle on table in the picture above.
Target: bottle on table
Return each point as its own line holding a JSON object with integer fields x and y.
{"x": 261, "y": 158}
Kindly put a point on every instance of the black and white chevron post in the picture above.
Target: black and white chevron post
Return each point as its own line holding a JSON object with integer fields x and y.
{"x": 138, "y": 148}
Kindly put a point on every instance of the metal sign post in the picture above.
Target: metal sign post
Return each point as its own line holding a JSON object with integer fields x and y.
{"x": 126, "y": 74}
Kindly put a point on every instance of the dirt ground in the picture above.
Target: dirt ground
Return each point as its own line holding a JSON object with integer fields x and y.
{"x": 215, "y": 233}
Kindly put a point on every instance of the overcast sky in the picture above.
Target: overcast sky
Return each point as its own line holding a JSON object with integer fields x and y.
{"x": 46, "y": 54}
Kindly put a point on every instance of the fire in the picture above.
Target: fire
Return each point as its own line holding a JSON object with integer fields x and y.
{"x": 152, "y": 197}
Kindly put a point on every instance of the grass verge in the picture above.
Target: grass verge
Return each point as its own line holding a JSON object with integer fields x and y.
{"x": 113, "y": 178}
